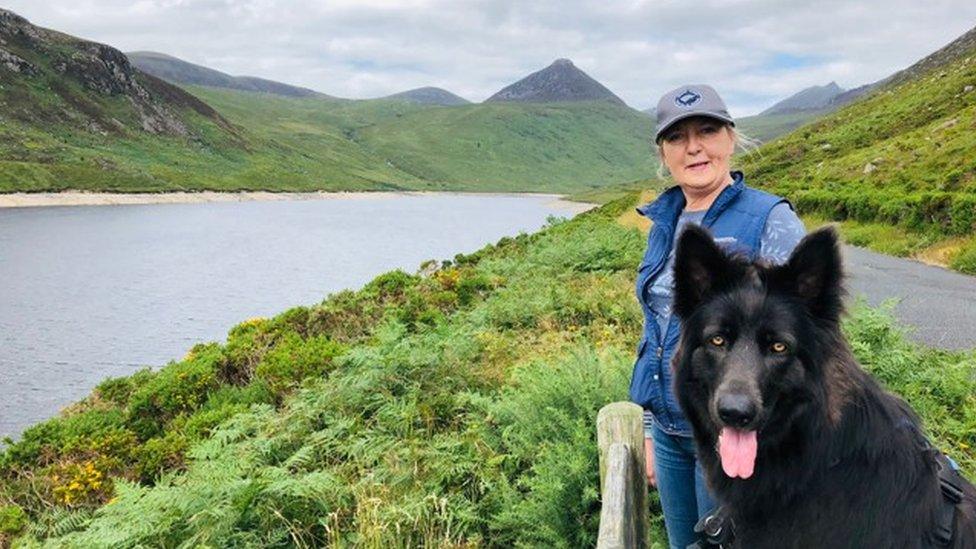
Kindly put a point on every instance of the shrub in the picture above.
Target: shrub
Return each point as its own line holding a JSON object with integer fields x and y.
{"x": 965, "y": 260}
{"x": 83, "y": 483}
{"x": 13, "y": 519}
{"x": 963, "y": 215}
{"x": 161, "y": 454}
{"x": 179, "y": 388}
{"x": 391, "y": 284}
{"x": 83, "y": 434}
{"x": 117, "y": 390}
{"x": 293, "y": 359}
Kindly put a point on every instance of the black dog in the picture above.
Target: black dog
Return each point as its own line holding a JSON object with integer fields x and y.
{"x": 801, "y": 447}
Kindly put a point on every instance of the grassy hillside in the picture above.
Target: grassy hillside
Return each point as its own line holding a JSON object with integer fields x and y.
{"x": 766, "y": 127}
{"x": 900, "y": 164}
{"x": 300, "y": 144}
{"x": 451, "y": 408}
{"x": 50, "y": 155}
{"x": 499, "y": 147}
{"x": 559, "y": 146}
{"x": 78, "y": 115}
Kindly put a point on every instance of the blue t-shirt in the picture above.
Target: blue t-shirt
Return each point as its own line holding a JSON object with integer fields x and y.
{"x": 782, "y": 232}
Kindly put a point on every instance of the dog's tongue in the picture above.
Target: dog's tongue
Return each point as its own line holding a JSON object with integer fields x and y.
{"x": 738, "y": 452}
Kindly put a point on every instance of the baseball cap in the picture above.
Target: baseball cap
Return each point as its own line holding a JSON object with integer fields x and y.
{"x": 687, "y": 101}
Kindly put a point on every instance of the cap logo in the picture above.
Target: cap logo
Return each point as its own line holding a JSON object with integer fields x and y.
{"x": 687, "y": 99}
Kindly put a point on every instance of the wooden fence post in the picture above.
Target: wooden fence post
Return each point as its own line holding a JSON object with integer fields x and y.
{"x": 623, "y": 482}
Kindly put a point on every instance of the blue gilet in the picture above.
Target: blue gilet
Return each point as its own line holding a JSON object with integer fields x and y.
{"x": 736, "y": 220}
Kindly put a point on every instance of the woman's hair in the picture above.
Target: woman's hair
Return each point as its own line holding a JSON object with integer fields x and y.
{"x": 743, "y": 142}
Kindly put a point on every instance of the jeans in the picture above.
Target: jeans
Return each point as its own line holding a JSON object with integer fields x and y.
{"x": 681, "y": 486}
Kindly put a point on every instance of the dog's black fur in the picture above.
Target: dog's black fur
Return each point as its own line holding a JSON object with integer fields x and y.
{"x": 840, "y": 462}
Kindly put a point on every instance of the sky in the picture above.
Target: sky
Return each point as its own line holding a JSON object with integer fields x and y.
{"x": 753, "y": 52}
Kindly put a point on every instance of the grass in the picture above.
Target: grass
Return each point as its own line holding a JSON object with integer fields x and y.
{"x": 274, "y": 143}
{"x": 767, "y": 127}
{"x": 76, "y": 118}
{"x": 903, "y": 156}
{"x": 499, "y": 147}
{"x": 453, "y": 408}
{"x": 291, "y": 144}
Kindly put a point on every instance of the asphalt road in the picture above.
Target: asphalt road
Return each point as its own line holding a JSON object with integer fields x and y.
{"x": 939, "y": 304}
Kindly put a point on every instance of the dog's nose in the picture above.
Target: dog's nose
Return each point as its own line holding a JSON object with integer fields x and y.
{"x": 736, "y": 409}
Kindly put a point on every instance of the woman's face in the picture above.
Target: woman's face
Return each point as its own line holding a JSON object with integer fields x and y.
{"x": 697, "y": 151}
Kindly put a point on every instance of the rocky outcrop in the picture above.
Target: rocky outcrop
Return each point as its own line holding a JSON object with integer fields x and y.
{"x": 560, "y": 81}
{"x": 13, "y": 63}
{"x": 813, "y": 98}
{"x": 100, "y": 71}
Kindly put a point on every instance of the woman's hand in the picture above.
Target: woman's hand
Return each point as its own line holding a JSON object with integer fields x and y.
{"x": 649, "y": 462}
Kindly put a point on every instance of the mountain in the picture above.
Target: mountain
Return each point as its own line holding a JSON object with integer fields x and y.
{"x": 79, "y": 115}
{"x": 951, "y": 52}
{"x": 817, "y": 101}
{"x": 429, "y": 96}
{"x": 809, "y": 99}
{"x": 901, "y": 159}
{"x": 182, "y": 72}
{"x": 766, "y": 127}
{"x": 792, "y": 112}
{"x": 52, "y": 80}
{"x": 543, "y": 147}
{"x": 517, "y": 146}
{"x": 75, "y": 114}
{"x": 560, "y": 81}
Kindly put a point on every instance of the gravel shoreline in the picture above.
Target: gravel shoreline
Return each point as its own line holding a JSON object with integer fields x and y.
{"x": 79, "y": 198}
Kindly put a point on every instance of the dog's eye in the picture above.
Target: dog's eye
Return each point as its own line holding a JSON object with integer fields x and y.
{"x": 717, "y": 341}
{"x": 778, "y": 347}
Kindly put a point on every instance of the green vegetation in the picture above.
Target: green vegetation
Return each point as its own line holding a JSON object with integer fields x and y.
{"x": 766, "y": 127}
{"x": 267, "y": 142}
{"x": 500, "y": 147}
{"x": 39, "y": 156}
{"x": 965, "y": 259}
{"x": 455, "y": 407}
{"x": 76, "y": 115}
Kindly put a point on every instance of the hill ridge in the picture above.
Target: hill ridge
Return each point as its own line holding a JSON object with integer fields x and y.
{"x": 179, "y": 71}
{"x": 808, "y": 99}
{"x": 429, "y": 95}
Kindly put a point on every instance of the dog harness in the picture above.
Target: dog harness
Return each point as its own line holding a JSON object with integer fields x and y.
{"x": 950, "y": 484}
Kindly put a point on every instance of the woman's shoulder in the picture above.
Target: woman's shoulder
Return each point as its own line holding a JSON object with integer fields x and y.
{"x": 763, "y": 195}
{"x": 783, "y": 214}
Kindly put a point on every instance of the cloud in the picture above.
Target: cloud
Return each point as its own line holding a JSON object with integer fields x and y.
{"x": 753, "y": 52}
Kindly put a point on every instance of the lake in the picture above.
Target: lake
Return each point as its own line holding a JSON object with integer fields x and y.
{"x": 90, "y": 292}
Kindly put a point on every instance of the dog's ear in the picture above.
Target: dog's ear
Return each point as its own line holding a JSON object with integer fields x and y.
{"x": 815, "y": 274}
{"x": 700, "y": 269}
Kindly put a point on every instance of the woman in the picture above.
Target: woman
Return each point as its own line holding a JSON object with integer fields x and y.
{"x": 695, "y": 139}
